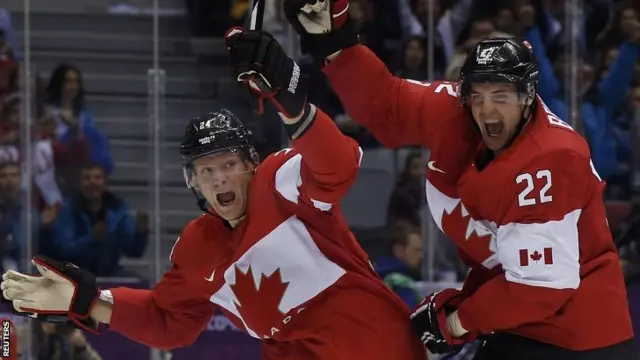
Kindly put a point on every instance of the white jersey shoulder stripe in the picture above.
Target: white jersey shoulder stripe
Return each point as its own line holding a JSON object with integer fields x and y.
{"x": 288, "y": 181}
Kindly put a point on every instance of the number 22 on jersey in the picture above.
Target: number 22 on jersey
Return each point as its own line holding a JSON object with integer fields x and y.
{"x": 532, "y": 194}
{"x": 528, "y": 195}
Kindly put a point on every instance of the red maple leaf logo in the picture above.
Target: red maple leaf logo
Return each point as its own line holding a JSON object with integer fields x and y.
{"x": 258, "y": 305}
{"x": 536, "y": 256}
{"x": 455, "y": 226}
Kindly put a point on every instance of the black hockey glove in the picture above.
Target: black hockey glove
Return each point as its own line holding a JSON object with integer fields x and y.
{"x": 429, "y": 322}
{"x": 270, "y": 74}
{"x": 63, "y": 293}
{"x": 323, "y": 25}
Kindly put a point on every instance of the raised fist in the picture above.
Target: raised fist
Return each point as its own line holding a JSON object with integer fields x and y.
{"x": 323, "y": 25}
{"x": 259, "y": 61}
{"x": 316, "y": 16}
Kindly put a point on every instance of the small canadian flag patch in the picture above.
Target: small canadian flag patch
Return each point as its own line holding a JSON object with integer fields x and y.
{"x": 546, "y": 256}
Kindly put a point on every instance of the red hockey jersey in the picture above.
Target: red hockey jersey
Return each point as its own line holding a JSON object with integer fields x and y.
{"x": 291, "y": 274}
{"x": 531, "y": 224}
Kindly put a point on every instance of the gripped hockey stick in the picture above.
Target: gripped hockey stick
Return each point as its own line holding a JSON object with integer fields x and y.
{"x": 257, "y": 15}
{"x": 254, "y": 22}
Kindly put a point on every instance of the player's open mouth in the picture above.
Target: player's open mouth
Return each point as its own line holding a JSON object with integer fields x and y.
{"x": 226, "y": 198}
{"x": 493, "y": 128}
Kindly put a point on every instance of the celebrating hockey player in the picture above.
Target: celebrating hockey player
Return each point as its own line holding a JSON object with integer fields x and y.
{"x": 507, "y": 180}
{"x": 272, "y": 251}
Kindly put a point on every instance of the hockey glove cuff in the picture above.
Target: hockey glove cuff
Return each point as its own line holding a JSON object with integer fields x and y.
{"x": 63, "y": 293}
{"x": 260, "y": 62}
{"x": 435, "y": 322}
{"x": 324, "y": 26}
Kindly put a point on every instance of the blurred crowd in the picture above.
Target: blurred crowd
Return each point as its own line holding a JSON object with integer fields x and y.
{"x": 74, "y": 215}
{"x": 590, "y": 77}
{"x": 71, "y": 213}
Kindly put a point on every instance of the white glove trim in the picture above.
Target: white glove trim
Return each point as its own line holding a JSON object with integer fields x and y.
{"x": 106, "y": 295}
{"x": 454, "y": 326}
{"x": 341, "y": 12}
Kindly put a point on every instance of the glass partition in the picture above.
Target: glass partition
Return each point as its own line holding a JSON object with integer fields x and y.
{"x": 88, "y": 149}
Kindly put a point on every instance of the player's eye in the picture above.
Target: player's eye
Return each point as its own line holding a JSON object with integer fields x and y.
{"x": 499, "y": 97}
{"x": 229, "y": 164}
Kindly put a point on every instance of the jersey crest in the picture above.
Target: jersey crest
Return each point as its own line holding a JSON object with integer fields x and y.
{"x": 476, "y": 237}
{"x": 260, "y": 301}
{"x": 269, "y": 284}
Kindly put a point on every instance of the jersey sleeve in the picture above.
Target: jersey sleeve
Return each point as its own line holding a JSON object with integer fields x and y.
{"x": 398, "y": 112}
{"x": 169, "y": 315}
{"x": 322, "y": 167}
{"x": 537, "y": 244}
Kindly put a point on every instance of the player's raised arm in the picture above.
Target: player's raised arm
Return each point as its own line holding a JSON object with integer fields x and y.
{"x": 398, "y": 112}
{"x": 169, "y": 316}
{"x": 324, "y": 161}
{"x": 330, "y": 160}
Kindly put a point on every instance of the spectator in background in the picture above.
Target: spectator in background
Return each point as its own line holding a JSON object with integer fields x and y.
{"x": 377, "y": 26}
{"x": 414, "y": 64}
{"x": 46, "y": 190}
{"x": 10, "y": 216}
{"x": 8, "y": 78}
{"x": 408, "y": 197}
{"x": 479, "y": 29}
{"x": 8, "y": 33}
{"x": 10, "y": 122}
{"x": 63, "y": 342}
{"x": 626, "y": 122}
{"x": 95, "y": 228}
{"x": 623, "y": 22}
{"x": 448, "y": 23}
{"x": 12, "y": 224}
{"x": 68, "y": 156}
{"x": 401, "y": 269}
{"x": 505, "y": 21}
{"x": 597, "y": 100}
{"x": 66, "y": 101}
{"x": 6, "y": 51}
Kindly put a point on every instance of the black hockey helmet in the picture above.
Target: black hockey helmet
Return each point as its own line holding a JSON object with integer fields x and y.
{"x": 501, "y": 60}
{"x": 215, "y": 132}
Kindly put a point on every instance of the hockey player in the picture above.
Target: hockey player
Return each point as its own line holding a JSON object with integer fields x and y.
{"x": 510, "y": 183}
{"x": 272, "y": 251}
